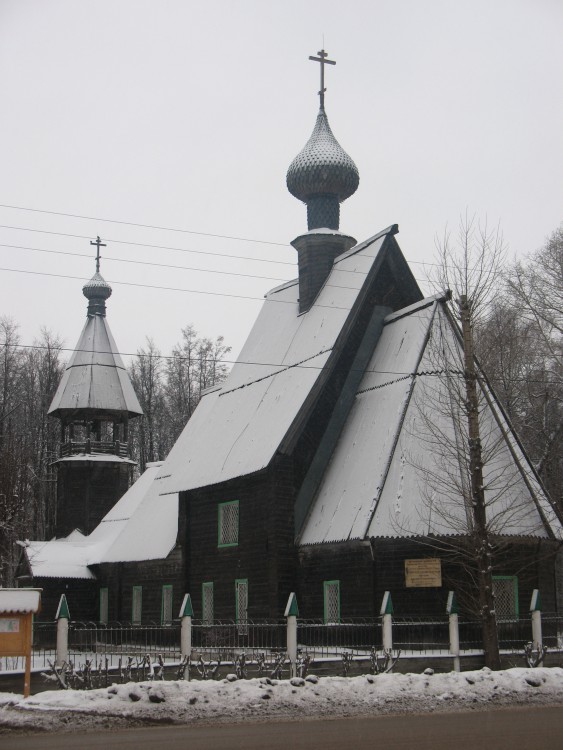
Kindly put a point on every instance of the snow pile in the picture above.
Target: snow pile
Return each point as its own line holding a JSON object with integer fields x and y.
{"x": 234, "y": 700}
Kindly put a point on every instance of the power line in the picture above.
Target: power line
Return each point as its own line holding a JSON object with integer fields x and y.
{"x": 144, "y": 263}
{"x": 165, "y": 247}
{"x": 143, "y": 226}
{"x": 179, "y": 289}
{"x": 150, "y": 246}
{"x": 403, "y": 374}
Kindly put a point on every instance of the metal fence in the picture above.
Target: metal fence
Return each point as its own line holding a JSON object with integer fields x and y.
{"x": 356, "y": 636}
{"x": 225, "y": 640}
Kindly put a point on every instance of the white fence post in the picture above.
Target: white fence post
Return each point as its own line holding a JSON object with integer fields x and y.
{"x": 452, "y": 610}
{"x": 387, "y": 627}
{"x": 186, "y": 614}
{"x": 535, "y": 609}
{"x": 62, "y": 617}
{"x": 291, "y": 614}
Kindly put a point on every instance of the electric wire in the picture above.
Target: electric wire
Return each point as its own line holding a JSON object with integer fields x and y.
{"x": 143, "y": 226}
{"x": 402, "y": 374}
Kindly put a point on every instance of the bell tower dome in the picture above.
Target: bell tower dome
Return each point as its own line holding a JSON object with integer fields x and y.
{"x": 94, "y": 402}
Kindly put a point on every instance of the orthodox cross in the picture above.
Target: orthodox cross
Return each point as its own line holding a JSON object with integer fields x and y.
{"x": 323, "y": 60}
{"x": 98, "y": 244}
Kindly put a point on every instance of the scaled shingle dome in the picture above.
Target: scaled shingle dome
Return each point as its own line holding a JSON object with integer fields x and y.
{"x": 96, "y": 287}
{"x": 322, "y": 167}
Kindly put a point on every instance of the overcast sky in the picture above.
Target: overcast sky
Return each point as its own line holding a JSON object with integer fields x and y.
{"x": 186, "y": 115}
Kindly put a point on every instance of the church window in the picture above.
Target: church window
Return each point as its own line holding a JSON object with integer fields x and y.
{"x": 505, "y": 589}
{"x": 137, "y": 605}
{"x": 331, "y": 590}
{"x": 241, "y": 605}
{"x": 166, "y": 608}
{"x": 207, "y": 602}
{"x": 228, "y": 524}
{"x": 104, "y": 605}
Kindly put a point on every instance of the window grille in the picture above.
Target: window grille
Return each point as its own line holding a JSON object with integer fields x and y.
{"x": 166, "y": 614}
{"x": 207, "y": 602}
{"x": 104, "y": 605}
{"x": 241, "y": 599}
{"x": 332, "y": 601}
{"x": 228, "y": 523}
{"x": 137, "y": 605}
{"x": 506, "y": 597}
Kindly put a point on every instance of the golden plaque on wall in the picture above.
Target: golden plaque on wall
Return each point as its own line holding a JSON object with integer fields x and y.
{"x": 423, "y": 573}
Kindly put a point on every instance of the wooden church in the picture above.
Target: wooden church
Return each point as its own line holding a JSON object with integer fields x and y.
{"x": 329, "y": 463}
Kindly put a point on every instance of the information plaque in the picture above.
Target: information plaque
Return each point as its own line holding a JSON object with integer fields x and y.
{"x": 423, "y": 573}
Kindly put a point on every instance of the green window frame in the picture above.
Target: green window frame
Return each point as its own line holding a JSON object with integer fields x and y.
{"x": 228, "y": 524}
{"x": 166, "y": 604}
{"x": 137, "y": 605}
{"x": 104, "y": 605}
{"x": 507, "y": 605}
{"x": 241, "y": 605}
{"x": 207, "y": 611}
{"x": 331, "y": 601}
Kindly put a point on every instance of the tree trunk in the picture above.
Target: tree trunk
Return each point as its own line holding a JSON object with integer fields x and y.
{"x": 480, "y": 529}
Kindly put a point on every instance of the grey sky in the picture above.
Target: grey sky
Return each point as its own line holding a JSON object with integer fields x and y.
{"x": 187, "y": 114}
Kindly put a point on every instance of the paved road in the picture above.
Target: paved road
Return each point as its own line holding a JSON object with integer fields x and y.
{"x": 509, "y": 729}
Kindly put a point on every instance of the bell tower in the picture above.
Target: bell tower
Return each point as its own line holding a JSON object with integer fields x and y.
{"x": 94, "y": 402}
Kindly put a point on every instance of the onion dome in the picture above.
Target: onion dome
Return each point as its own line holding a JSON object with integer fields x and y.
{"x": 322, "y": 175}
{"x": 96, "y": 291}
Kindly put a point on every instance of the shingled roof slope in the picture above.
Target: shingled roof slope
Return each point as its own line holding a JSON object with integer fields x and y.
{"x": 392, "y": 473}
{"x": 237, "y": 429}
{"x": 95, "y": 377}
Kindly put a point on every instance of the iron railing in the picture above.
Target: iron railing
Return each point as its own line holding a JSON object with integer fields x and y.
{"x": 224, "y": 640}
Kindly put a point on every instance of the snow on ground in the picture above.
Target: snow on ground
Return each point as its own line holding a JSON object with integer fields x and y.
{"x": 260, "y": 699}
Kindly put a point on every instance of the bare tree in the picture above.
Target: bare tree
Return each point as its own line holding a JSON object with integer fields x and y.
{"x": 466, "y": 485}
{"x": 149, "y": 435}
{"x": 535, "y": 290}
{"x": 169, "y": 390}
{"x": 28, "y": 440}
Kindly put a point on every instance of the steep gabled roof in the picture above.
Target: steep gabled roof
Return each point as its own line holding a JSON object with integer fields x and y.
{"x": 395, "y": 469}
{"x": 140, "y": 526}
{"x": 238, "y": 428}
{"x": 95, "y": 378}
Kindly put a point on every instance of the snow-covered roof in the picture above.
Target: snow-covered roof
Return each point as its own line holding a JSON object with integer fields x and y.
{"x": 237, "y": 429}
{"x": 107, "y": 458}
{"x": 95, "y": 378}
{"x": 140, "y": 526}
{"x": 22, "y": 601}
{"x": 392, "y": 472}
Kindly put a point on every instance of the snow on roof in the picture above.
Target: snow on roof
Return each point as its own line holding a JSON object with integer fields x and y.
{"x": 22, "y": 601}
{"x": 140, "y": 526}
{"x": 390, "y": 474}
{"x": 95, "y": 458}
{"x": 58, "y": 558}
{"x": 237, "y": 429}
{"x": 95, "y": 377}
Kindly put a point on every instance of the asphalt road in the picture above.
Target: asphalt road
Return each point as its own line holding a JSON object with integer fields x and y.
{"x": 508, "y": 729}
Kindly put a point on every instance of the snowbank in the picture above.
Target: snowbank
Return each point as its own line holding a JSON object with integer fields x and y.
{"x": 232, "y": 700}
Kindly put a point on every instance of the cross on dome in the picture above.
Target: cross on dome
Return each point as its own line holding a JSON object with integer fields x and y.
{"x": 98, "y": 243}
{"x": 323, "y": 60}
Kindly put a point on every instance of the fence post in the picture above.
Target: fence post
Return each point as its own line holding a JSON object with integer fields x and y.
{"x": 453, "y": 612}
{"x": 291, "y": 614}
{"x": 62, "y": 617}
{"x": 186, "y": 614}
{"x": 535, "y": 609}
{"x": 387, "y": 613}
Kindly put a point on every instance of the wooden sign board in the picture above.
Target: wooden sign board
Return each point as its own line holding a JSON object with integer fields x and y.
{"x": 14, "y": 634}
{"x": 423, "y": 573}
{"x": 17, "y": 607}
